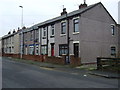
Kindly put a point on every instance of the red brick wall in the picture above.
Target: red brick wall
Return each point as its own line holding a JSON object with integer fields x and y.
{"x": 44, "y": 58}
{"x": 34, "y": 57}
{"x": 11, "y": 55}
{"x": 56, "y": 60}
{"x": 75, "y": 61}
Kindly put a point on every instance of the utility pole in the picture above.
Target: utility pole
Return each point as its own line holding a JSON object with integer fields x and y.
{"x": 21, "y": 41}
{"x": 67, "y": 19}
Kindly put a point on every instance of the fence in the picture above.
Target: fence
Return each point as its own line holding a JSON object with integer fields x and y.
{"x": 103, "y": 62}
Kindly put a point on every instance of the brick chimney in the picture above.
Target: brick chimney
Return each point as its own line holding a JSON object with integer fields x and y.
{"x": 83, "y": 5}
{"x": 14, "y": 31}
{"x": 9, "y": 32}
{"x": 64, "y": 12}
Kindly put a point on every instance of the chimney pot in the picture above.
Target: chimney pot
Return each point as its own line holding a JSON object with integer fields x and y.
{"x": 64, "y": 11}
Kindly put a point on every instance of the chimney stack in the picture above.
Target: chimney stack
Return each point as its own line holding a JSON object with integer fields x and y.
{"x": 83, "y": 5}
{"x": 64, "y": 11}
{"x": 9, "y": 32}
{"x": 14, "y": 31}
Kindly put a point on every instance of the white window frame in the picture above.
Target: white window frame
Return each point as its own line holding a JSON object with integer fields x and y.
{"x": 51, "y": 30}
{"x": 115, "y": 51}
{"x": 31, "y": 50}
{"x": 74, "y": 24}
{"x": 64, "y": 21}
{"x": 44, "y": 31}
{"x": 44, "y": 49}
{"x": 113, "y": 30}
{"x": 37, "y": 48}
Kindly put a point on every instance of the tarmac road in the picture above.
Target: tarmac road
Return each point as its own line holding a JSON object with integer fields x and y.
{"x": 21, "y": 75}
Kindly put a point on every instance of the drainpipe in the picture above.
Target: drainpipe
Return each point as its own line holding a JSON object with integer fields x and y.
{"x": 34, "y": 40}
{"x": 68, "y": 37}
{"x": 47, "y": 40}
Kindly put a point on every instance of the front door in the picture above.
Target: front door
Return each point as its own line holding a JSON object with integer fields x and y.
{"x": 52, "y": 49}
{"x": 76, "y": 49}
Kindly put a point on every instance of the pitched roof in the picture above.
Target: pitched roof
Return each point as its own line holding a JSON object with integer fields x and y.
{"x": 73, "y": 13}
{"x": 79, "y": 11}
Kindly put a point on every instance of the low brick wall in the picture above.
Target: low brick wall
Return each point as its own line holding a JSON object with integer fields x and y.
{"x": 75, "y": 61}
{"x": 11, "y": 55}
{"x": 44, "y": 58}
{"x": 27, "y": 57}
{"x": 1, "y": 55}
{"x": 33, "y": 57}
{"x": 55, "y": 60}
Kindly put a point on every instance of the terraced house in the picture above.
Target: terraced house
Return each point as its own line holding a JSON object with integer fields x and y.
{"x": 10, "y": 43}
{"x": 86, "y": 33}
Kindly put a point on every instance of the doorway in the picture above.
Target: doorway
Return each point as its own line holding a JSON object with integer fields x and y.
{"x": 76, "y": 49}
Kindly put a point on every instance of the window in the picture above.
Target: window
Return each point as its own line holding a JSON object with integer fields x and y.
{"x": 9, "y": 49}
{"x": 113, "y": 29}
{"x": 76, "y": 49}
{"x": 63, "y": 28}
{"x": 52, "y": 30}
{"x": 36, "y": 36}
{"x": 12, "y": 39}
{"x": 37, "y": 50}
{"x": 76, "y": 25}
{"x": 44, "y": 32}
{"x": 63, "y": 49}
{"x": 31, "y": 37}
{"x": 31, "y": 50}
{"x": 113, "y": 51}
{"x": 12, "y": 49}
{"x": 25, "y": 37}
{"x": 44, "y": 50}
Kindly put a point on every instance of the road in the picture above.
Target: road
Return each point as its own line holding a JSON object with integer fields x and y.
{"x": 21, "y": 75}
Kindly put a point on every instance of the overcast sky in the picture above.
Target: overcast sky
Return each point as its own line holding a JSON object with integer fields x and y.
{"x": 36, "y": 11}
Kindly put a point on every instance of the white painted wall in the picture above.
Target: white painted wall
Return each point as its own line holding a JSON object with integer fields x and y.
{"x": 51, "y": 40}
{"x": 44, "y": 41}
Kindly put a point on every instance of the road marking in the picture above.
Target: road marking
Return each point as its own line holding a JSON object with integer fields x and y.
{"x": 74, "y": 73}
{"x": 46, "y": 68}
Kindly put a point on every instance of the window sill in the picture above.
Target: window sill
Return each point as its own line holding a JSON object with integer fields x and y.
{"x": 75, "y": 32}
{"x": 43, "y": 37}
{"x": 113, "y": 35}
{"x": 52, "y": 36}
{"x": 62, "y": 35}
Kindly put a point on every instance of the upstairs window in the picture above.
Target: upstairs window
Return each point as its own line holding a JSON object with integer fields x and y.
{"x": 44, "y": 32}
{"x": 52, "y": 30}
{"x": 25, "y": 37}
{"x": 36, "y": 36}
{"x": 76, "y": 25}
{"x": 31, "y": 37}
{"x": 113, "y": 29}
{"x": 63, "y": 28}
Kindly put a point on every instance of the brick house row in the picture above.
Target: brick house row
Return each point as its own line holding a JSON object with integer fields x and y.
{"x": 86, "y": 33}
{"x": 10, "y": 43}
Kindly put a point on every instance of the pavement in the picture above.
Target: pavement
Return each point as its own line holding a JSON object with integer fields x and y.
{"x": 88, "y": 69}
